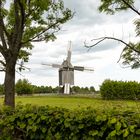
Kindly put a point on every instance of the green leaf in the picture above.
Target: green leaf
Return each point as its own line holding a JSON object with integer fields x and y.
{"x": 57, "y": 136}
{"x": 81, "y": 126}
{"x": 43, "y": 117}
{"x": 67, "y": 124}
{"x": 34, "y": 128}
{"x": 43, "y": 130}
{"x": 113, "y": 133}
{"x": 118, "y": 126}
{"x": 93, "y": 132}
{"x": 98, "y": 118}
{"x": 113, "y": 120}
{"x": 126, "y": 133}
{"x": 22, "y": 125}
{"x": 138, "y": 131}
{"x": 30, "y": 122}
{"x": 132, "y": 128}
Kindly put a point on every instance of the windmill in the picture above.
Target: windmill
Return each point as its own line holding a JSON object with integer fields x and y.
{"x": 66, "y": 72}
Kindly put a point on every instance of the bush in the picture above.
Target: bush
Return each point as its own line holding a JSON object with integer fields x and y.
{"x": 120, "y": 90}
{"x": 46, "y": 123}
{"x": 23, "y": 87}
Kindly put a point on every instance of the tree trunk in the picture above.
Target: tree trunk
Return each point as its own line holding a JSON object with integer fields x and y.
{"x": 9, "y": 84}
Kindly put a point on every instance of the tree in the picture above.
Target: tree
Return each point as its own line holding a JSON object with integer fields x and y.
{"x": 131, "y": 52}
{"x": 76, "y": 89}
{"x": 92, "y": 89}
{"x": 24, "y": 22}
{"x": 24, "y": 87}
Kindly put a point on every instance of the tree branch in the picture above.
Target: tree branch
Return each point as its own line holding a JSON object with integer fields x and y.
{"x": 131, "y": 7}
{"x": 49, "y": 27}
{"x": 2, "y": 70}
{"x": 17, "y": 23}
{"x": 2, "y": 66}
{"x": 112, "y": 38}
{"x": 29, "y": 9}
{"x": 1, "y": 62}
{"x": 22, "y": 10}
{"x": 2, "y": 27}
{"x": 2, "y": 50}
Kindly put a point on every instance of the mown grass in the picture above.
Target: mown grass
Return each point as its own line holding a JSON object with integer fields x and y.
{"x": 78, "y": 102}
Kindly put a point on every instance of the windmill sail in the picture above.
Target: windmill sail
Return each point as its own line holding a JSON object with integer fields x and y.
{"x": 69, "y": 54}
{"x": 53, "y": 65}
{"x": 79, "y": 68}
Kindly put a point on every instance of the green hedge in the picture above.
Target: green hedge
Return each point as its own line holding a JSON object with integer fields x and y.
{"x": 45, "y": 123}
{"x": 120, "y": 90}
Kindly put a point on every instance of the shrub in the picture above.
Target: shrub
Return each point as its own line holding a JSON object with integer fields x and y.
{"x": 46, "y": 123}
{"x": 120, "y": 90}
{"x": 23, "y": 87}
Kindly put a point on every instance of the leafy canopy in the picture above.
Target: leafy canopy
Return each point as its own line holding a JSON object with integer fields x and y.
{"x": 27, "y": 21}
{"x": 131, "y": 52}
{"x": 112, "y": 6}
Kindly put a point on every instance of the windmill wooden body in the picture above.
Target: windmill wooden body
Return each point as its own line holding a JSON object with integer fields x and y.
{"x": 66, "y": 72}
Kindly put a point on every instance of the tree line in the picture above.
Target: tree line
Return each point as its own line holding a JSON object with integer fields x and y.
{"x": 24, "y": 87}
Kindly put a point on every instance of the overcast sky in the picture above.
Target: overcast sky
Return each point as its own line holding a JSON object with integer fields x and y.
{"x": 87, "y": 24}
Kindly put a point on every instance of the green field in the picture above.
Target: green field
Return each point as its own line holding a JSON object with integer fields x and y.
{"x": 77, "y": 102}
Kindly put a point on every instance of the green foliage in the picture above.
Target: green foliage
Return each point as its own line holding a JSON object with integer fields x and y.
{"x": 137, "y": 24}
{"x": 120, "y": 90}
{"x": 74, "y": 89}
{"x": 40, "y": 123}
{"x": 35, "y": 21}
{"x": 23, "y": 87}
{"x": 131, "y": 52}
{"x": 112, "y": 6}
{"x": 42, "y": 89}
{"x": 92, "y": 89}
{"x": 131, "y": 57}
{"x": 83, "y": 90}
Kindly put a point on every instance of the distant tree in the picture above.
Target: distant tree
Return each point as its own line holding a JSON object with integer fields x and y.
{"x": 48, "y": 89}
{"x": 42, "y": 89}
{"x": 75, "y": 89}
{"x": 56, "y": 89}
{"x": 92, "y": 89}
{"x": 23, "y": 87}
{"x": 24, "y": 22}
{"x": 85, "y": 90}
{"x": 82, "y": 90}
{"x": 131, "y": 53}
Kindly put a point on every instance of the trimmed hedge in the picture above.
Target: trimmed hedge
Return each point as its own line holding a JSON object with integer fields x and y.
{"x": 120, "y": 90}
{"x": 46, "y": 123}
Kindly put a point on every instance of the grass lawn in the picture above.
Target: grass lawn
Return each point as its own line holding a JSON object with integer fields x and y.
{"x": 77, "y": 102}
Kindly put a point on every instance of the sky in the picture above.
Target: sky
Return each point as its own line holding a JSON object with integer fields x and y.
{"x": 86, "y": 25}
